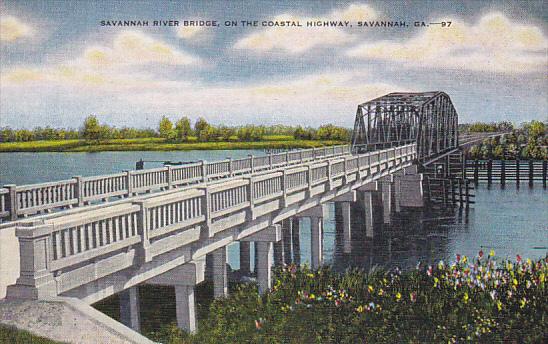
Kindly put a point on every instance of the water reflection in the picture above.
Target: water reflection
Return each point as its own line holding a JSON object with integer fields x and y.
{"x": 509, "y": 219}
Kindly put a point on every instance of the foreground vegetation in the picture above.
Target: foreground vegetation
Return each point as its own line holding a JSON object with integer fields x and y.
{"x": 12, "y": 335}
{"x": 469, "y": 300}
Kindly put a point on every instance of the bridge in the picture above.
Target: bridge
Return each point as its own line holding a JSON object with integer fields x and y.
{"x": 88, "y": 238}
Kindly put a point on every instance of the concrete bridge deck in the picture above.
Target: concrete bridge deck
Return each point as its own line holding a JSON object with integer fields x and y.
{"x": 92, "y": 252}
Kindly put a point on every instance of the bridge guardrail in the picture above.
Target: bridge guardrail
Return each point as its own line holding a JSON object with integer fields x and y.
{"x": 67, "y": 251}
{"x": 23, "y": 200}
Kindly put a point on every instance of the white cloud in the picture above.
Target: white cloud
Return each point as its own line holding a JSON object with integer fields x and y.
{"x": 297, "y": 40}
{"x": 110, "y": 66}
{"x": 494, "y": 44}
{"x": 13, "y": 29}
{"x": 194, "y": 33}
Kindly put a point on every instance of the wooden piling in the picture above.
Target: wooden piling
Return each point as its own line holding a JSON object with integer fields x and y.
{"x": 476, "y": 171}
{"x": 503, "y": 172}
{"x": 531, "y": 177}
{"x": 489, "y": 171}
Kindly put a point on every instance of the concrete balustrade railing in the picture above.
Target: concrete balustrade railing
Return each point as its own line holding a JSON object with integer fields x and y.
{"x": 64, "y": 252}
{"x": 17, "y": 201}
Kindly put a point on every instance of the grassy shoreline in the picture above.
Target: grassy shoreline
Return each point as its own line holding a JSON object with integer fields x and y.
{"x": 157, "y": 144}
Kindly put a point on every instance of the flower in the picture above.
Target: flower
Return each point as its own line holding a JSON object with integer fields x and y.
{"x": 458, "y": 258}
{"x": 522, "y": 303}
{"x": 480, "y": 254}
{"x": 429, "y": 271}
{"x": 499, "y": 305}
{"x": 518, "y": 258}
{"x": 465, "y": 297}
{"x": 413, "y": 296}
{"x": 370, "y": 288}
{"x": 259, "y": 324}
{"x": 338, "y": 302}
{"x": 492, "y": 253}
{"x": 398, "y": 296}
{"x": 360, "y": 309}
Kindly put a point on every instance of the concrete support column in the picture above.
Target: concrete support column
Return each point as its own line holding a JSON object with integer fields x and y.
{"x": 184, "y": 279}
{"x": 346, "y": 226}
{"x": 295, "y": 240}
{"x": 264, "y": 250}
{"x": 287, "y": 233}
{"x": 368, "y": 205}
{"x": 316, "y": 242}
{"x": 386, "y": 190}
{"x": 264, "y": 265}
{"x": 279, "y": 253}
{"x": 245, "y": 258}
{"x": 185, "y": 308}
{"x": 129, "y": 308}
{"x": 397, "y": 193}
{"x": 220, "y": 282}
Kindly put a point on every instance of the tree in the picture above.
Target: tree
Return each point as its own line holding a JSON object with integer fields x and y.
{"x": 165, "y": 128}
{"x": 183, "y": 129}
{"x": 200, "y": 128}
{"x": 91, "y": 129}
{"x": 498, "y": 152}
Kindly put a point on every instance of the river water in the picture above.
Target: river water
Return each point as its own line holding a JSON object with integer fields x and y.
{"x": 511, "y": 220}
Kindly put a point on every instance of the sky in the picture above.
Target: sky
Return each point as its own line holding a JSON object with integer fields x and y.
{"x": 59, "y": 64}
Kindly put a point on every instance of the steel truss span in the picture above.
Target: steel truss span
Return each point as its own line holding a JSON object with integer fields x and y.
{"x": 427, "y": 118}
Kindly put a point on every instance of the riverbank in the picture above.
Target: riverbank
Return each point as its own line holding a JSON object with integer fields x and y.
{"x": 159, "y": 144}
{"x": 469, "y": 300}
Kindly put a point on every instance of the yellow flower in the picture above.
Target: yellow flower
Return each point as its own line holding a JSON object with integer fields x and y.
{"x": 312, "y": 296}
{"x": 370, "y": 288}
{"x": 398, "y": 295}
{"x": 436, "y": 280}
{"x": 381, "y": 292}
{"x": 522, "y": 303}
{"x": 515, "y": 282}
{"x": 360, "y": 309}
{"x": 464, "y": 259}
{"x": 492, "y": 253}
{"x": 499, "y": 305}
{"x": 466, "y": 298}
{"x": 310, "y": 275}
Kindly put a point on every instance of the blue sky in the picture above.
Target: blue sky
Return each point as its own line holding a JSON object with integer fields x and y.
{"x": 58, "y": 64}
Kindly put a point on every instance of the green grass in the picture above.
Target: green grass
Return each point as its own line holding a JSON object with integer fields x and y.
{"x": 158, "y": 144}
{"x": 12, "y": 335}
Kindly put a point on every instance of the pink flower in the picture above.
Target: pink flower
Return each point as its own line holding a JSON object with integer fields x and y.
{"x": 518, "y": 258}
{"x": 258, "y": 324}
{"x": 337, "y": 303}
{"x": 413, "y": 296}
{"x": 458, "y": 258}
{"x": 480, "y": 254}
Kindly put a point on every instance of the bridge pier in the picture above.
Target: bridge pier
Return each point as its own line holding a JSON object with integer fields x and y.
{"x": 245, "y": 258}
{"x": 264, "y": 242}
{"x": 411, "y": 192}
{"x": 371, "y": 198}
{"x": 296, "y": 240}
{"x": 184, "y": 279}
{"x": 387, "y": 190}
{"x": 343, "y": 202}
{"x": 219, "y": 275}
{"x": 316, "y": 215}
{"x": 130, "y": 313}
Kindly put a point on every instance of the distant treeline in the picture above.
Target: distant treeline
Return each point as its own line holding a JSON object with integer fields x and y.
{"x": 483, "y": 127}
{"x": 180, "y": 131}
{"x": 529, "y": 141}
